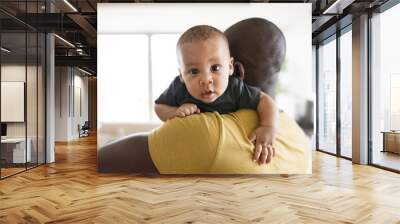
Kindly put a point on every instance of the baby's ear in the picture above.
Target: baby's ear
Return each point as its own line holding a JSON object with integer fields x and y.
{"x": 231, "y": 66}
{"x": 180, "y": 75}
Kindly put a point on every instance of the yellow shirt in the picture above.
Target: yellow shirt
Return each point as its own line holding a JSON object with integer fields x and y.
{"x": 210, "y": 143}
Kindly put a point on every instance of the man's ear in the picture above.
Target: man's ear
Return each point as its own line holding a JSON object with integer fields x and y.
{"x": 231, "y": 66}
{"x": 239, "y": 69}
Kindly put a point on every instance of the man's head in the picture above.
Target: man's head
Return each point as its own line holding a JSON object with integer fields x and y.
{"x": 261, "y": 47}
{"x": 204, "y": 61}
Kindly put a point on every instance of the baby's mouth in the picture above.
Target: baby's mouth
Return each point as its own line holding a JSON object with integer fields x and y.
{"x": 208, "y": 93}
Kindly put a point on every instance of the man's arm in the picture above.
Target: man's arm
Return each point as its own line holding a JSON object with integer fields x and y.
{"x": 165, "y": 112}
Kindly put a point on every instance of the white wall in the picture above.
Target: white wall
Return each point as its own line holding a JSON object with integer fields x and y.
{"x": 17, "y": 73}
{"x": 70, "y": 83}
{"x": 61, "y": 103}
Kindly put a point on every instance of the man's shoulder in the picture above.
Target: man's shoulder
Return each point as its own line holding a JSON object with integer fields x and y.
{"x": 237, "y": 82}
{"x": 234, "y": 81}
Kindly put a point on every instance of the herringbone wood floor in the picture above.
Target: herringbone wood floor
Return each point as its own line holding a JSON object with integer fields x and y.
{"x": 71, "y": 191}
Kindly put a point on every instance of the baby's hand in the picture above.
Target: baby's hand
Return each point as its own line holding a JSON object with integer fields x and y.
{"x": 187, "y": 109}
{"x": 264, "y": 137}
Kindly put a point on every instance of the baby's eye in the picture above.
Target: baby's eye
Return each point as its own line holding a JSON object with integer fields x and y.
{"x": 215, "y": 68}
{"x": 193, "y": 71}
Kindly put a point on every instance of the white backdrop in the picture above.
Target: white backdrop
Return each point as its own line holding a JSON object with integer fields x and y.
{"x": 122, "y": 69}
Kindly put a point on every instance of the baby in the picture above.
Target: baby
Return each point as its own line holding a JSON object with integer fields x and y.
{"x": 206, "y": 84}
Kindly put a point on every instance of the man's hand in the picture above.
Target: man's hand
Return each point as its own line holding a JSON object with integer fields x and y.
{"x": 187, "y": 109}
{"x": 263, "y": 137}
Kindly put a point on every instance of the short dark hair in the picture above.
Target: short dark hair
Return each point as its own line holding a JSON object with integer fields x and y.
{"x": 200, "y": 33}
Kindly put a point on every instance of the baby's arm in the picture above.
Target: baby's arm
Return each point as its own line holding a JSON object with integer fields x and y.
{"x": 165, "y": 112}
{"x": 264, "y": 135}
{"x": 267, "y": 111}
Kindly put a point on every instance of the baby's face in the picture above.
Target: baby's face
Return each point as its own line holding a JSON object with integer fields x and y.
{"x": 205, "y": 67}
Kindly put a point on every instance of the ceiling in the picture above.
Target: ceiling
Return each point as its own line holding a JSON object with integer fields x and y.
{"x": 77, "y": 22}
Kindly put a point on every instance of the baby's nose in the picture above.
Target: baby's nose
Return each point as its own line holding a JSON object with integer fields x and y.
{"x": 206, "y": 81}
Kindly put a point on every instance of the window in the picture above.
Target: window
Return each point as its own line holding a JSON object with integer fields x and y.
{"x": 144, "y": 82}
{"x": 385, "y": 88}
{"x": 164, "y": 64}
{"x": 131, "y": 83}
{"x": 22, "y": 76}
{"x": 346, "y": 94}
{"x": 327, "y": 97}
{"x": 394, "y": 102}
